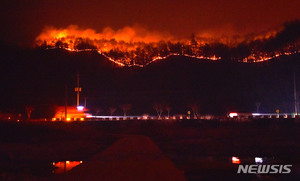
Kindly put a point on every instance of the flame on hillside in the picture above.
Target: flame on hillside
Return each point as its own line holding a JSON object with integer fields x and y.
{"x": 135, "y": 46}
{"x": 126, "y": 38}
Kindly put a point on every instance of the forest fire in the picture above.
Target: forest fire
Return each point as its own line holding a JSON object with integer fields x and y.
{"x": 138, "y": 47}
{"x": 125, "y": 47}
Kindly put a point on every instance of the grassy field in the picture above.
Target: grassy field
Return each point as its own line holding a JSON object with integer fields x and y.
{"x": 199, "y": 148}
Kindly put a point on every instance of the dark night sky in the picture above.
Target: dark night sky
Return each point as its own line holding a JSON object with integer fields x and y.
{"x": 22, "y": 21}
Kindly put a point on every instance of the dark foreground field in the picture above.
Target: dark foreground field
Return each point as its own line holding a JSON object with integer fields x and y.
{"x": 198, "y": 150}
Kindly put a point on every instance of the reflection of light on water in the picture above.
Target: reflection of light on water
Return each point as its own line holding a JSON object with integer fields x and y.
{"x": 64, "y": 166}
{"x": 235, "y": 160}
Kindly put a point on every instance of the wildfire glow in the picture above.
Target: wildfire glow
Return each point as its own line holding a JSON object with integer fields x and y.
{"x": 126, "y": 47}
{"x": 135, "y": 46}
{"x": 126, "y": 34}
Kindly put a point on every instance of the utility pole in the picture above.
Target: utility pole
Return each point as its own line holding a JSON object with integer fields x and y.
{"x": 257, "y": 106}
{"x": 77, "y": 89}
{"x": 295, "y": 94}
{"x": 66, "y": 102}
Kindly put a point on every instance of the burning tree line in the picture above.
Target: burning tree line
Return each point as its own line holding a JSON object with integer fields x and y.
{"x": 139, "y": 53}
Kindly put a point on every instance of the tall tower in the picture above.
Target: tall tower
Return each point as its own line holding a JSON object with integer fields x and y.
{"x": 78, "y": 89}
{"x": 295, "y": 95}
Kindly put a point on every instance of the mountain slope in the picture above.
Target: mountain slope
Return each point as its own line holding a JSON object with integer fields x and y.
{"x": 39, "y": 77}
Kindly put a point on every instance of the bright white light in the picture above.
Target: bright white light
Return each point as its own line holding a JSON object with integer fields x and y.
{"x": 80, "y": 108}
{"x": 235, "y": 160}
{"x": 256, "y": 114}
{"x": 258, "y": 160}
{"x": 233, "y": 114}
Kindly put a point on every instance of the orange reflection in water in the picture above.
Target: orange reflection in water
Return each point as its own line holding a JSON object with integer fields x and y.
{"x": 235, "y": 160}
{"x": 64, "y": 166}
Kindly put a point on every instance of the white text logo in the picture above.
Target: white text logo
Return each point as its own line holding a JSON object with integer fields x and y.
{"x": 265, "y": 169}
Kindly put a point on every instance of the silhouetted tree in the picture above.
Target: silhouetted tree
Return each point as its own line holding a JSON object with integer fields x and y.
{"x": 112, "y": 110}
{"x": 168, "y": 109}
{"x": 59, "y": 44}
{"x": 195, "y": 109}
{"x": 221, "y": 50}
{"x": 163, "y": 49}
{"x": 193, "y": 41}
{"x": 98, "y": 111}
{"x": 125, "y": 108}
{"x": 207, "y": 50}
{"x": 29, "y": 110}
{"x": 83, "y": 44}
{"x": 159, "y": 108}
{"x": 257, "y": 106}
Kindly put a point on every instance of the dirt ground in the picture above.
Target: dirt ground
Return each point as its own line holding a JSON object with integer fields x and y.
{"x": 191, "y": 150}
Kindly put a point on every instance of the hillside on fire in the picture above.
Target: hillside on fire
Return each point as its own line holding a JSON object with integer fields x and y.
{"x": 129, "y": 47}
